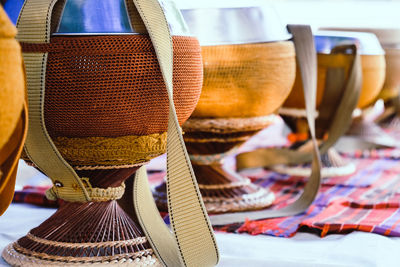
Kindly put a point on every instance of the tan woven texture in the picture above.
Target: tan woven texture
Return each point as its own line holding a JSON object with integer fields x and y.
{"x": 373, "y": 72}
{"x": 246, "y": 80}
{"x": 107, "y": 151}
{"x": 83, "y": 74}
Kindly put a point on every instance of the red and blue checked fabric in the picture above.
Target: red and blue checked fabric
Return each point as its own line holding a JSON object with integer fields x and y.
{"x": 34, "y": 195}
{"x": 366, "y": 201}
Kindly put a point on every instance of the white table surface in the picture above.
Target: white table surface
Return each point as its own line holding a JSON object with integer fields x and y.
{"x": 237, "y": 250}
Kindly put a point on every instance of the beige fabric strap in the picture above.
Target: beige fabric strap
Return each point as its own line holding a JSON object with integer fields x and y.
{"x": 34, "y": 27}
{"x": 351, "y": 93}
{"x": 193, "y": 242}
{"x": 306, "y": 58}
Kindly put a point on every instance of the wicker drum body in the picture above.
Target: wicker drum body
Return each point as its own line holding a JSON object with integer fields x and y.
{"x": 373, "y": 70}
{"x": 372, "y": 63}
{"x": 12, "y": 94}
{"x": 106, "y": 110}
{"x": 245, "y": 81}
{"x": 390, "y": 41}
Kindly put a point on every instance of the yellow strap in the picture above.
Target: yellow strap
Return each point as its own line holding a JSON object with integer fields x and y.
{"x": 193, "y": 242}
{"x": 306, "y": 58}
{"x": 34, "y": 27}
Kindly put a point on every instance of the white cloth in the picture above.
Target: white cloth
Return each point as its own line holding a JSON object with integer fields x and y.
{"x": 238, "y": 250}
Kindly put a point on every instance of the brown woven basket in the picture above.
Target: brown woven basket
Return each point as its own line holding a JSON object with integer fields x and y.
{"x": 106, "y": 109}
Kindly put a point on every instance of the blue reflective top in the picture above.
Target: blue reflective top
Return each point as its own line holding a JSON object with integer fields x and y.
{"x": 367, "y": 43}
{"x": 94, "y": 17}
{"x": 13, "y": 8}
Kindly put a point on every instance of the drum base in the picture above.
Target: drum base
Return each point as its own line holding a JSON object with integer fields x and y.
{"x": 371, "y": 133}
{"x": 391, "y": 116}
{"x": 80, "y": 234}
{"x": 332, "y": 165}
{"x": 223, "y": 191}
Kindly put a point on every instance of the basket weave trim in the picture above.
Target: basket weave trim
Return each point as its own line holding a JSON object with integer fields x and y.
{"x": 245, "y": 182}
{"x": 107, "y": 167}
{"x": 115, "y": 244}
{"x": 257, "y": 200}
{"x": 93, "y": 167}
{"x": 18, "y": 258}
{"x": 326, "y": 172}
{"x": 95, "y": 193}
{"x": 228, "y": 125}
{"x": 210, "y": 158}
{"x": 125, "y": 150}
{"x": 217, "y": 140}
{"x": 138, "y": 254}
{"x": 295, "y": 112}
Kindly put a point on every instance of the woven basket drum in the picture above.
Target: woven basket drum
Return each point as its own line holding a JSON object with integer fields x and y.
{"x": 389, "y": 38}
{"x": 373, "y": 75}
{"x": 12, "y": 117}
{"x": 249, "y": 70}
{"x": 106, "y": 110}
{"x": 390, "y": 41}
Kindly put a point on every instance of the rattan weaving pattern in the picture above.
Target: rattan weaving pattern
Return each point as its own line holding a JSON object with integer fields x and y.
{"x": 125, "y": 150}
{"x": 85, "y": 73}
{"x": 257, "y": 200}
{"x": 17, "y": 258}
{"x": 228, "y": 125}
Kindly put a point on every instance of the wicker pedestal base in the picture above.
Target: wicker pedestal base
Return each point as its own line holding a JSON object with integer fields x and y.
{"x": 332, "y": 165}
{"x": 223, "y": 191}
{"x": 80, "y": 234}
{"x": 372, "y": 133}
{"x": 209, "y": 141}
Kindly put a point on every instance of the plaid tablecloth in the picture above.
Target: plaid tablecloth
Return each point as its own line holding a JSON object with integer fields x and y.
{"x": 368, "y": 200}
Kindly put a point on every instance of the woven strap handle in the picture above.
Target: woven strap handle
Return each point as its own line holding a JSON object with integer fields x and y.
{"x": 306, "y": 58}
{"x": 348, "y": 101}
{"x": 192, "y": 242}
{"x": 34, "y": 24}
